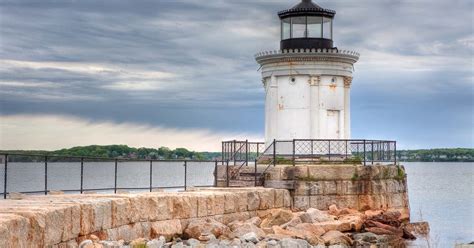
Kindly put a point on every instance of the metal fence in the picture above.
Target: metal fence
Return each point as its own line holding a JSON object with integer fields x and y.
{"x": 241, "y": 151}
{"x": 323, "y": 150}
{"x": 41, "y": 174}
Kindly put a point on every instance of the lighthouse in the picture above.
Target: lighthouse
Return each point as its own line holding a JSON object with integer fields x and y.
{"x": 307, "y": 82}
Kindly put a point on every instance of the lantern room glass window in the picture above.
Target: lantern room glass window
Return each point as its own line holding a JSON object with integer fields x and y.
{"x": 286, "y": 28}
{"x": 315, "y": 27}
{"x": 306, "y": 27}
{"x": 298, "y": 28}
{"x": 327, "y": 28}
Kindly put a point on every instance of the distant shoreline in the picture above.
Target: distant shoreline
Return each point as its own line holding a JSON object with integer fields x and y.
{"x": 126, "y": 152}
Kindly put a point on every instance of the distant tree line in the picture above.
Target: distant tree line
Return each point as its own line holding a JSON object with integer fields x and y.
{"x": 118, "y": 151}
{"x": 123, "y": 151}
{"x": 437, "y": 155}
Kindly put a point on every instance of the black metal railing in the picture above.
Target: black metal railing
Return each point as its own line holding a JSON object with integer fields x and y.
{"x": 241, "y": 151}
{"x": 303, "y": 151}
{"x": 42, "y": 174}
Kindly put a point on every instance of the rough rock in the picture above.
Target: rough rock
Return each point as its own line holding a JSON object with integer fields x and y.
{"x": 247, "y": 228}
{"x": 333, "y": 210}
{"x": 380, "y": 228}
{"x": 294, "y": 243}
{"x": 250, "y": 237}
{"x": 421, "y": 228}
{"x": 336, "y": 238}
{"x": 366, "y": 239}
{"x": 168, "y": 229}
{"x": 277, "y": 217}
{"x": 309, "y": 232}
{"x": 313, "y": 215}
{"x": 293, "y": 222}
{"x": 156, "y": 243}
{"x": 354, "y": 221}
{"x": 201, "y": 228}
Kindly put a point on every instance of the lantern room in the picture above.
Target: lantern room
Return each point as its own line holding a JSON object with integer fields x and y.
{"x": 306, "y": 26}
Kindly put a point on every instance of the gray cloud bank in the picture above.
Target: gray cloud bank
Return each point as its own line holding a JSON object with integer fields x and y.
{"x": 189, "y": 64}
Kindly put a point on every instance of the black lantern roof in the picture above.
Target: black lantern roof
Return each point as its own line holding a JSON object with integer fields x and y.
{"x": 306, "y": 8}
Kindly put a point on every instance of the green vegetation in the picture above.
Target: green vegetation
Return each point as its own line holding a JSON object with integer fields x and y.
{"x": 353, "y": 160}
{"x": 355, "y": 176}
{"x": 123, "y": 151}
{"x": 437, "y": 155}
{"x": 400, "y": 173}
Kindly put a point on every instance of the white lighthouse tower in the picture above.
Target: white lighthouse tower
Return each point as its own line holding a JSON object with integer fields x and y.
{"x": 307, "y": 82}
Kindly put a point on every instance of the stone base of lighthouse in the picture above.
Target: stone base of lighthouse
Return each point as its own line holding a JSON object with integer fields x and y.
{"x": 354, "y": 186}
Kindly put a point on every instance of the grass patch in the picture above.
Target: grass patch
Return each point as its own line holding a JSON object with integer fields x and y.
{"x": 355, "y": 176}
{"x": 400, "y": 173}
{"x": 353, "y": 160}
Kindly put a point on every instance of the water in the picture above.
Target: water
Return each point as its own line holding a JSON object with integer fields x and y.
{"x": 25, "y": 177}
{"x": 440, "y": 193}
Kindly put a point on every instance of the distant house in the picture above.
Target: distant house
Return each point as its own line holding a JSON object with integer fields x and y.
{"x": 443, "y": 156}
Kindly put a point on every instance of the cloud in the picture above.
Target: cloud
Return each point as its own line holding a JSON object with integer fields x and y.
{"x": 51, "y": 132}
{"x": 189, "y": 64}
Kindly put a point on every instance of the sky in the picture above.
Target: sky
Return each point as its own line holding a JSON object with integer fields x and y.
{"x": 182, "y": 73}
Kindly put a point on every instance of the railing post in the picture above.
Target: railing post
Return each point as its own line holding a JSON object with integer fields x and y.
{"x": 255, "y": 173}
{"x": 274, "y": 152}
{"x": 222, "y": 151}
{"x": 347, "y": 152}
{"x": 185, "y": 175}
{"x": 329, "y": 148}
{"x": 215, "y": 173}
{"x": 45, "y": 175}
{"x": 373, "y": 152}
{"x": 227, "y": 174}
{"x": 395, "y": 152}
{"x": 294, "y": 156}
{"x": 258, "y": 149}
{"x": 246, "y": 152}
{"x": 115, "y": 176}
{"x": 82, "y": 175}
{"x": 235, "y": 150}
{"x": 151, "y": 175}
{"x": 5, "y": 176}
{"x": 365, "y": 159}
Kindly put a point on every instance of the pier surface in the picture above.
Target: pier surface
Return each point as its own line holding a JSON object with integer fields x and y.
{"x": 66, "y": 220}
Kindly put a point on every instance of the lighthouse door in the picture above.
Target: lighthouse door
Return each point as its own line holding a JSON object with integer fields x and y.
{"x": 332, "y": 124}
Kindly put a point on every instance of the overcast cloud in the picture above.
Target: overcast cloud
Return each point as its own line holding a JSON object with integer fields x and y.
{"x": 187, "y": 67}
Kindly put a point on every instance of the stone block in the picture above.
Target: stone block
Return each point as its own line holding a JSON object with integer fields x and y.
{"x": 14, "y": 231}
{"x": 253, "y": 200}
{"x": 219, "y": 203}
{"x": 396, "y": 200}
{"x": 330, "y": 187}
{"x": 331, "y": 172}
{"x": 241, "y": 203}
{"x": 300, "y": 172}
{"x": 273, "y": 173}
{"x": 302, "y": 188}
{"x": 316, "y": 188}
{"x": 347, "y": 187}
{"x": 377, "y": 187}
{"x": 120, "y": 214}
{"x": 184, "y": 207}
{"x": 301, "y": 202}
{"x": 267, "y": 198}
{"x": 279, "y": 198}
{"x": 230, "y": 204}
{"x": 287, "y": 199}
{"x": 201, "y": 206}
